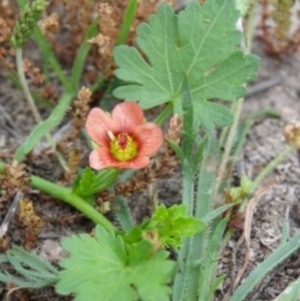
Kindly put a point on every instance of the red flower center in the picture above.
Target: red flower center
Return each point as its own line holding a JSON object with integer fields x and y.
{"x": 123, "y": 140}
{"x": 123, "y": 147}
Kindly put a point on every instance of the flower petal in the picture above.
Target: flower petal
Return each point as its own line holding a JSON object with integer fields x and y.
{"x": 138, "y": 162}
{"x": 149, "y": 138}
{"x": 101, "y": 158}
{"x": 97, "y": 125}
{"x": 127, "y": 116}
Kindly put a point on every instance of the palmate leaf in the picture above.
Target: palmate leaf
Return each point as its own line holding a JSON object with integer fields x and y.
{"x": 107, "y": 268}
{"x": 200, "y": 43}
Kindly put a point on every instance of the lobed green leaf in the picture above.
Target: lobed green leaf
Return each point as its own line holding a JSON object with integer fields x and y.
{"x": 188, "y": 45}
{"x": 44, "y": 127}
{"x": 107, "y": 268}
{"x": 32, "y": 271}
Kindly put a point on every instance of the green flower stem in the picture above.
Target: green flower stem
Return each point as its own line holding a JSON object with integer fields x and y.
{"x": 99, "y": 83}
{"x": 251, "y": 25}
{"x": 229, "y": 142}
{"x": 33, "y": 108}
{"x": 164, "y": 115}
{"x": 270, "y": 167}
{"x": 19, "y": 63}
{"x": 127, "y": 22}
{"x": 65, "y": 194}
{"x": 237, "y": 107}
{"x": 268, "y": 113}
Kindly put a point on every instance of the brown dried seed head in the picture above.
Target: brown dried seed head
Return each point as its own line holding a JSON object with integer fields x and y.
{"x": 31, "y": 222}
{"x": 37, "y": 77}
{"x": 291, "y": 133}
{"x": 28, "y": 216}
{"x": 175, "y": 128}
{"x": 104, "y": 44}
{"x": 84, "y": 95}
{"x": 107, "y": 19}
{"x": 7, "y": 58}
{"x": 34, "y": 73}
{"x": 74, "y": 160}
{"x": 14, "y": 177}
{"x": 27, "y": 65}
{"x": 105, "y": 9}
{"x": 4, "y": 31}
{"x": 50, "y": 25}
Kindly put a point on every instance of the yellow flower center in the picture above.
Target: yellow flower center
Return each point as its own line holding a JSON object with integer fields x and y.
{"x": 122, "y": 147}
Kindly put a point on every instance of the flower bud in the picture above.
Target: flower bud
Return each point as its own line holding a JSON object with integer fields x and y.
{"x": 247, "y": 185}
{"x": 291, "y": 133}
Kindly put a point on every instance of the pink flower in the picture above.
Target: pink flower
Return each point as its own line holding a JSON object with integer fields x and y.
{"x": 123, "y": 139}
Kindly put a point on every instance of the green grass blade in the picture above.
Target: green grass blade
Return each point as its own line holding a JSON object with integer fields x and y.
{"x": 278, "y": 256}
{"x": 127, "y": 22}
{"x": 199, "y": 152}
{"x": 206, "y": 181}
{"x": 176, "y": 148}
{"x": 208, "y": 268}
{"x": 217, "y": 212}
{"x": 241, "y": 135}
{"x": 214, "y": 286}
{"x": 291, "y": 293}
{"x": 81, "y": 55}
{"x": 3, "y": 258}
{"x": 207, "y": 176}
{"x": 50, "y": 57}
{"x": 188, "y": 132}
{"x": 44, "y": 127}
{"x": 181, "y": 284}
{"x": 187, "y": 280}
{"x": 285, "y": 232}
{"x": 244, "y": 127}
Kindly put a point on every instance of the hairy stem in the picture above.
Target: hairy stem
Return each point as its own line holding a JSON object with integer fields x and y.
{"x": 33, "y": 108}
{"x": 228, "y": 145}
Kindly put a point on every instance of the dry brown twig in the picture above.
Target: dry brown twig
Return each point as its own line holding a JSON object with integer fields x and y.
{"x": 246, "y": 237}
{"x": 10, "y": 214}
